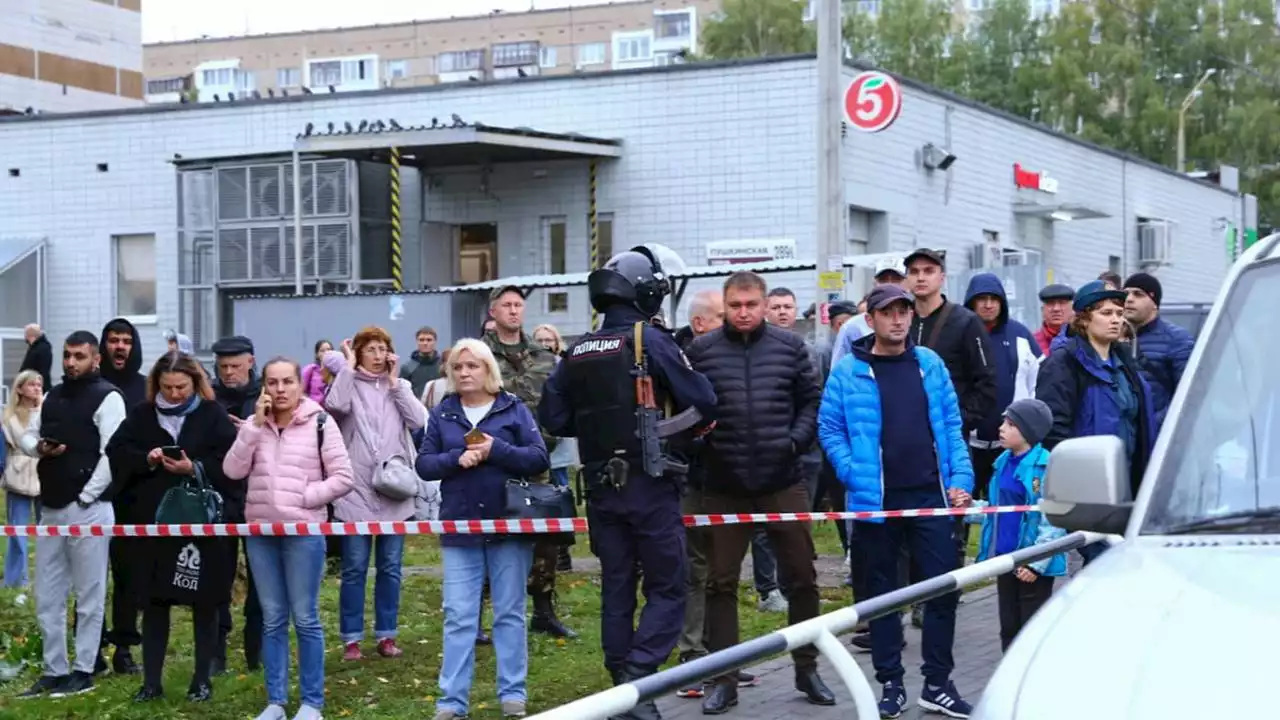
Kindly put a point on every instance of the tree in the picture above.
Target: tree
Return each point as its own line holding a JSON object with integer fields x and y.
{"x": 1007, "y": 65}
{"x": 908, "y": 37}
{"x": 758, "y": 28}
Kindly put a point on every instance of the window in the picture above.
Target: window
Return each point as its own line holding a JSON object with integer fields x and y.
{"x": 397, "y": 69}
{"x": 591, "y": 54}
{"x": 245, "y": 80}
{"x": 604, "y": 238}
{"x": 357, "y": 70}
{"x": 636, "y": 47}
{"x": 168, "y": 85}
{"x": 221, "y": 76}
{"x": 513, "y": 54}
{"x": 558, "y": 302}
{"x": 810, "y": 11}
{"x": 547, "y": 56}
{"x": 991, "y": 236}
{"x": 674, "y": 25}
{"x": 1220, "y": 458}
{"x": 460, "y": 61}
{"x": 553, "y": 234}
{"x": 135, "y": 275}
{"x": 869, "y": 7}
{"x": 1044, "y": 8}
{"x": 1095, "y": 81}
{"x": 328, "y": 72}
{"x": 289, "y": 77}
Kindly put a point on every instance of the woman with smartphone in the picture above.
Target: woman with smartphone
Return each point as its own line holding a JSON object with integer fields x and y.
{"x": 296, "y": 464}
{"x": 179, "y": 434}
{"x": 377, "y": 411}
{"x": 21, "y": 485}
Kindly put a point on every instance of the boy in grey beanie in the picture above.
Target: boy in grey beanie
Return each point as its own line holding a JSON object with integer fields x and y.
{"x": 1018, "y": 481}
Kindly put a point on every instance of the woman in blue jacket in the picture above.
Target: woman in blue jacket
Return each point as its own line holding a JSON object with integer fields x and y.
{"x": 1094, "y": 386}
{"x": 477, "y": 439}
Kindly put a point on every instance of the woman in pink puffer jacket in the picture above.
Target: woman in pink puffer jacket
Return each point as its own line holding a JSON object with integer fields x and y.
{"x": 295, "y": 468}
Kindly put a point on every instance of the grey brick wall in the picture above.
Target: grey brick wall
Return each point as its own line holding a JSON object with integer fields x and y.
{"x": 714, "y": 154}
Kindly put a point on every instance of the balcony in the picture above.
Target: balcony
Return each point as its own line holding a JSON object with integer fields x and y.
{"x": 461, "y": 66}
{"x": 218, "y": 79}
{"x": 675, "y": 30}
{"x": 168, "y": 90}
{"x": 344, "y": 74}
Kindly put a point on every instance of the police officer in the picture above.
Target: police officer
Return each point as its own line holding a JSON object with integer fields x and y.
{"x": 633, "y": 503}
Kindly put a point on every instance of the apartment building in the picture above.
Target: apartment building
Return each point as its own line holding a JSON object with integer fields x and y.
{"x": 612, "y": 36}
{"x": 68, "y": 55}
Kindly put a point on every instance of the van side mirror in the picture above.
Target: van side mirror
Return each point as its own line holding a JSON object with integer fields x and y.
{"x": 1086, "y": 486}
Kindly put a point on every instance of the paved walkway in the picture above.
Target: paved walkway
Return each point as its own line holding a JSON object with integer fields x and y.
{"x": 977, "y": 652}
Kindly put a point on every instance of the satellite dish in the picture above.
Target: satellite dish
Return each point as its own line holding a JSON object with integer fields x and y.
{"x": 672, "y": 263}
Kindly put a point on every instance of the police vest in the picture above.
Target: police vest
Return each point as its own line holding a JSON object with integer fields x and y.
{"x": 601, "y": 389}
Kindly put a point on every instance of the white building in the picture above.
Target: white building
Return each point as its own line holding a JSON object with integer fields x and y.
{"x": 165, "y": 213}
{"x": 70, "y": 55}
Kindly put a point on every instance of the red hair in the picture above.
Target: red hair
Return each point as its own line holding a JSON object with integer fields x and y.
{"x": 368, "y": 335}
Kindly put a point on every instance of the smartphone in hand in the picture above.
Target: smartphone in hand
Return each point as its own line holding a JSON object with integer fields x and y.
{"x": 173, "y": 452}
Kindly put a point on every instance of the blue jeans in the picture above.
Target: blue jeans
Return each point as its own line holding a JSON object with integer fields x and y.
{"x": 288, "y": 571}
{"x": 388, "y": 552}
{"x": 507, "y": 564}
{"x": 933, "y": 550}
{"x": 20, "y": 510}
{"x": 560, "y": 476}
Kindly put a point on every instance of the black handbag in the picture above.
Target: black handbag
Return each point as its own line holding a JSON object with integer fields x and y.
{"x": 192, "y": 502}
{"x": 541, "y": 501}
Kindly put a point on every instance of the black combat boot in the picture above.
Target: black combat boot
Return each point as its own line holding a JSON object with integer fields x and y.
{"x": 218, "y": 663}
{"x": 122, "y": 662}
{"x": 545, "y": 620}
{"x": 564, "y": 563}
{"x": 645, "y": 709}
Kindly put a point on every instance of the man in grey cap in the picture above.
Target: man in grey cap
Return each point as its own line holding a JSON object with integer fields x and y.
{"x": 236, "y": 389}
{"x": 1055, "y": 314}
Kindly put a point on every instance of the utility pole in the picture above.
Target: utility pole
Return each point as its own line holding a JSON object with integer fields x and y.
{"x": 830, "y": 199}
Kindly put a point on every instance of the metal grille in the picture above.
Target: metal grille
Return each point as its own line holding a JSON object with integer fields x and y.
{"x": 197, "y": 200}
{"x": 331, "y": 188}
{"x": 326, "y": 251}
{"x": 196, "y": 259}
{"x": 265, "y": 187}
{"x": 233, "y": 194}
{"x": 264, "y": 250}
{"x": 233, "y": 254}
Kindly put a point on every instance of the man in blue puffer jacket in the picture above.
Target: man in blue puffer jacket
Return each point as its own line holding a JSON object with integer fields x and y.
{"x": 1164, "y": 348}
{"x": 890, "y": 424}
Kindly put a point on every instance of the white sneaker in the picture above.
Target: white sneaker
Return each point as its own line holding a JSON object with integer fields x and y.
{"x": 306, "y": 712}
{"x": 773, "y": 602}
{"x": 273, "y": 712}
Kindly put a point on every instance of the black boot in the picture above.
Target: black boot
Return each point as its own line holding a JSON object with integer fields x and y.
{"x": 545, "y": 620}
{"x": 564, "y": 563}
{"x": 252, "y": 652}
{"x": 122, "y": 662}
{"x": 720, "y": 697}
{"x": 815, "y": 691}
{"x": 645, "y": 709}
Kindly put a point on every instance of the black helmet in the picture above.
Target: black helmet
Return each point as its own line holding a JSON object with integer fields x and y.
{"x": 633, "y": 278}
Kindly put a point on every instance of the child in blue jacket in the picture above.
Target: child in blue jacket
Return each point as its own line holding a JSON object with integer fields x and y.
{"x": 1017, "y": 480}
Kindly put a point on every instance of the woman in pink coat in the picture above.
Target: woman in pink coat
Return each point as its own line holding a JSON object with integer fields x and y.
{"x": 376, "y": 411}
{"x": 295, "y": 467}
{"x": 315, "y": 381}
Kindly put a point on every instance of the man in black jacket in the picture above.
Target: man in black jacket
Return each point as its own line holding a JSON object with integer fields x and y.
{"x": 39, "y": 355}
{"x": 236, "y": 389}
{"x": 766, "y": 414}
{"x": 958, "y": 335}
{"x": 121, "y": 350}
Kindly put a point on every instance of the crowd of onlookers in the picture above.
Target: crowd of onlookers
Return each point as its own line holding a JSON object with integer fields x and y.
{"x": 918, "y": 402}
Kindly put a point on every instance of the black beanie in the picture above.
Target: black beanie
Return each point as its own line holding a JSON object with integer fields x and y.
{"x": 1146, "y": 283}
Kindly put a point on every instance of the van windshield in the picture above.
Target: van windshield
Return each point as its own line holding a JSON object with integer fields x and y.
{"x": 1224, "y": 456}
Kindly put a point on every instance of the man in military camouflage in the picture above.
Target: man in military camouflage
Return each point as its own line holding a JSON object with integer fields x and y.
{"x": 525, "y": 366}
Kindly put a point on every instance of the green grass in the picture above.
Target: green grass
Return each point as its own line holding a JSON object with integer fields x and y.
{"x": 375, "y": 688}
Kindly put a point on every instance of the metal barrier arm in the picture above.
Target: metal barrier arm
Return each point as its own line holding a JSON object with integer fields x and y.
{"x": 820, "y": 632}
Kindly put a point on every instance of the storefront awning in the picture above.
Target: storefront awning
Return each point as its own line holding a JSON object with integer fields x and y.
{"x": 15, "y": 250}
{"x": 1060, "y": 212}
{"x": 450, "y": 145}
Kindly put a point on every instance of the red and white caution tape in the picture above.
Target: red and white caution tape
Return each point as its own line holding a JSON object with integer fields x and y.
{"x": 461, "y": 527}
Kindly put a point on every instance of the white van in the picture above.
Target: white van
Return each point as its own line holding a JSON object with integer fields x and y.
{"x": 1181, "y": 619}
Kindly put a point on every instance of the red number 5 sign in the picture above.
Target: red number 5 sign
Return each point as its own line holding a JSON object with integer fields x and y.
{"x": 872, "y": 101}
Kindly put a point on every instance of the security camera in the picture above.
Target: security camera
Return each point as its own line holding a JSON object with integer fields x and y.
{"x": 935, "y": 158}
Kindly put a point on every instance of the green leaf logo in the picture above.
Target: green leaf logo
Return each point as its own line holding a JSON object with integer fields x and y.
{"x": 874, "y": 83}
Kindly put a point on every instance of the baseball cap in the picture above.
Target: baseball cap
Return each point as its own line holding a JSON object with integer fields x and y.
{"x": 503, "y": 290}
{"x": 885, "y": 295}
{"x": 889, "y": 265}
{"x": 932, "y": 256}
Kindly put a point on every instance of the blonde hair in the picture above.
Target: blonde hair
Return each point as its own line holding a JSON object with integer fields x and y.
{"x": 481, "y": 352}
{"x": 15, "y": 408}
{"x": 559, "y": 348}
